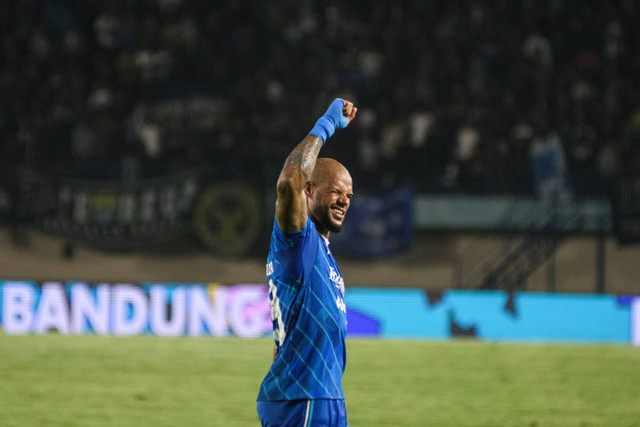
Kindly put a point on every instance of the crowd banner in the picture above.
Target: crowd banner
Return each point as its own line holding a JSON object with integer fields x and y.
{"x": 242, "y": 310}
{"x": 377, "y": 225}
{"x": 117, "y": 213}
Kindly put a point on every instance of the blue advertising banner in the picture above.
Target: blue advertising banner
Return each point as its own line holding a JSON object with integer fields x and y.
{"x": 377, "y": 225}
{"x": 199, "y": 309}
{"x": 496, "y": 315}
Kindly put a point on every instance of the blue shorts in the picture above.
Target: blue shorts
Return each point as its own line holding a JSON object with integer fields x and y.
{"x": 303, "y": 413}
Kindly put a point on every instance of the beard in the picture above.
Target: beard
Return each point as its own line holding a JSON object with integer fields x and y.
{"x": 323, "y": 218}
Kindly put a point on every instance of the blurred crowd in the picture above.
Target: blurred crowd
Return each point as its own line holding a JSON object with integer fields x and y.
{"x": 453, "y": 95}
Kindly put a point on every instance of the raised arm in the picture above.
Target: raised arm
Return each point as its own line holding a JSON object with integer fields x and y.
{"x": 291, "y": 205}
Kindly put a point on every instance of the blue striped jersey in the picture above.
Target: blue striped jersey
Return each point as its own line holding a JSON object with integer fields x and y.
{"x": 306, "y": 295}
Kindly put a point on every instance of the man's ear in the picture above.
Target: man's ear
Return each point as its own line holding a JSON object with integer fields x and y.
{"x": 308, "y": 188}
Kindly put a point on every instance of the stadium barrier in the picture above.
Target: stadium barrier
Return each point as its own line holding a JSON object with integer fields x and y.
{"x": 210, "y": 309}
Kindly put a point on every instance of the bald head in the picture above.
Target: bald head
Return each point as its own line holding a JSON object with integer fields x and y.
{"x": 327, "y": 169}
{"x": 329, "y": 193}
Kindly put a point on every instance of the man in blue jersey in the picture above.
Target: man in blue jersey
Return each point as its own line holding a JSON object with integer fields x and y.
{"x": 306, "y": 291}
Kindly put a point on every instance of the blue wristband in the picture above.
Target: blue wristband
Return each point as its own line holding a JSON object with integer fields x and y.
{"x": 332, "y": 119}
{"x": 323, "y": 128}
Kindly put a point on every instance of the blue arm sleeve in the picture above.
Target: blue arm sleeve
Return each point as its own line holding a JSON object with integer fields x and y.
{"x": 332, "y": 120}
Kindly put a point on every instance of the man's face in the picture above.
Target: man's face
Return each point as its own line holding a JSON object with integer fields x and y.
{"x": 330, "y": 201}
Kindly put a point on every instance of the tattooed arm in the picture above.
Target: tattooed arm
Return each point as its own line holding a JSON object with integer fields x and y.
{"x": 291, "y": 206}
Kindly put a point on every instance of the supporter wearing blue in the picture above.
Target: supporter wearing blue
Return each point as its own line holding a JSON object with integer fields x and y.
{"x": 306, "y": 291}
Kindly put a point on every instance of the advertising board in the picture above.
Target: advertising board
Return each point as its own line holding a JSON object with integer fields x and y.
{"x": 242, "y": 310}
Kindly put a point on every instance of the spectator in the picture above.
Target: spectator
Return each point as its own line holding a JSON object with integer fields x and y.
{"x": 425, "y": 70}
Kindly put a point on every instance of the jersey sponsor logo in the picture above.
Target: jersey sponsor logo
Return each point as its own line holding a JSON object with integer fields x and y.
{"x": 269, "y": 268}
{"x": 337, "y": 279}
{"x": 340, "y": 304}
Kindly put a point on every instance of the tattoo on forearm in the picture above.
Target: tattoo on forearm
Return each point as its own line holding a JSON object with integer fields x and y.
{"x": 304, "y": 156}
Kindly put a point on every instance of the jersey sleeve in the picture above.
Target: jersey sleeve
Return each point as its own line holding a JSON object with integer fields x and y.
{"x": 295, "y": 252}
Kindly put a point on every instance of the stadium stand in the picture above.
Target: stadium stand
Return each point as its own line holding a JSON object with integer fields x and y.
{"x": 456, "y": 97}
{"x": 454, "y": 93}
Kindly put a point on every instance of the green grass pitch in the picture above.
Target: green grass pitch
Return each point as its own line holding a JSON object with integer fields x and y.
{"x": 55, "y": 380}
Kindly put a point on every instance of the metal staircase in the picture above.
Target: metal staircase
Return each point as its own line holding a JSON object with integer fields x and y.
{"x": 513, "y": 269}
{"x": 506, "y": 261}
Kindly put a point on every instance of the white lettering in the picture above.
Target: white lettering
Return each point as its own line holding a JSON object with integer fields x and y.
{"x": 126, "y": 208}
{"x": 244, "y": 321}
{"x": 160, "y": 325}
{"x": 81, "y": 208}
{"x": 129, "y": 310}
{"x": 18, "y": 299}
{"x": 87, "y": 315}
{"x": 270, "y": 269}
{"x": 202, "y": 313}
{"x": 53, "y": 311}
{"x": 635, "y": 321}
{"x": 168, "y": 203}
{"x": 188, "y": 193}
{"x": 147, "y": 206}
{"x": 337, "y": 279}
{"x": 279, "y": 333}
{"x": 340, "y": 304}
